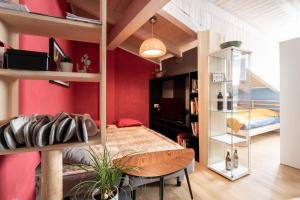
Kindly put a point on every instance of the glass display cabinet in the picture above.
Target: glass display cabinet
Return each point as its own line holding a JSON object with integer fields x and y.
{"x": 229, "y": 112}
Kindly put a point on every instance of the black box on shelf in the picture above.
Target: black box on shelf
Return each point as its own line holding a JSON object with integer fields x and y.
{"x": 26, "y": 60}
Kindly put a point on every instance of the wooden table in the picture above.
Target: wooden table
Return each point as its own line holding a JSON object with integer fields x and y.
{"x": 158, "y": 165}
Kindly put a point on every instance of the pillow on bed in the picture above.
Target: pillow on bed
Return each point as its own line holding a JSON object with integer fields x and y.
{"x": 76, "y": 155}
{"x": 126, "y": 122}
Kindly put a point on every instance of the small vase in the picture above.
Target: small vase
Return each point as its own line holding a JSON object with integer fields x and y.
{"x": 66, "y": 67}
{"x": 96, "y": 195}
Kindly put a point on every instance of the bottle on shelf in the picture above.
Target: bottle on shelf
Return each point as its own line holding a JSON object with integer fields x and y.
{"x": 229, "y": 101}
{"x": 220, "y": 101}
{"x": 228, "y": 161}
{"x": 235, "y": 159}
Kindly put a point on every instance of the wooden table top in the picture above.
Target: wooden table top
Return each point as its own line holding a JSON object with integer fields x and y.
{"x": 160, "y": 163}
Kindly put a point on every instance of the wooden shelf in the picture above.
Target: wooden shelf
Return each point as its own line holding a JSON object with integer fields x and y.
{"x": 42, "y": 25}
{"x": 50, "y": 75}
{"x": 95, "y": 140}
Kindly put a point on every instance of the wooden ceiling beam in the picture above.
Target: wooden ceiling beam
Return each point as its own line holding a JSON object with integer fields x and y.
{"x": 177, "y": 23}
{"x": 137, "y": 14}
{"x": 171, "y": 48}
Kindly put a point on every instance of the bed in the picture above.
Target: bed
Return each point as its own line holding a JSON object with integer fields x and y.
{"x": 138, "y": 139}
{"x": 264, "y": 117}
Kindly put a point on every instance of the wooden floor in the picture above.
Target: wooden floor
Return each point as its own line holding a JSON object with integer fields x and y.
{"x": 268, "y": 179}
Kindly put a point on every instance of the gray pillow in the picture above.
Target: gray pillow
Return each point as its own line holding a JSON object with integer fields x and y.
{"x": 9, "y": 138}
{"x": 76, "y": 155}
{"x": 3, "y": 144}
{"x": 70, "y": 132}
{"x": 44, "y": 132}
{"x": 62, "y": 128}
{"x": 17, "y": 126}
{"x": 44, "y": 120}
{"x": 28, "y": 134}
{"x": 54, "y": 127}
{"x": 89, "y": 125}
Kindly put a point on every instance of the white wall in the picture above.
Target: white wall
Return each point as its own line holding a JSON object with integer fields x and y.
{"x": 203, "y": 15}
{"x": 290, "y": 102}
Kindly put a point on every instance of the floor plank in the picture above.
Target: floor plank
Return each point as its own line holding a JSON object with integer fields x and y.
{"x": 268, "y": 179}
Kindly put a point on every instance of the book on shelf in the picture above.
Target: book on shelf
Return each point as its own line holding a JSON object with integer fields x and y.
{"x": 71, "y": 16}
{"x": 194, "y": 85}
{"x": 194, "y": 106}
{"x": 195, "y": 128}
{"x": 6, "y": 4}
{"x": 183, "y": 141}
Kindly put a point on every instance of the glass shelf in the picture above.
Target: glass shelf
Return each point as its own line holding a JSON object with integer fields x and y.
{"x": 228, "y": 139}
{"x": 228, "y": 142}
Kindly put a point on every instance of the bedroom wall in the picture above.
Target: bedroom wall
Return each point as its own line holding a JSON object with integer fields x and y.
{"x": 290, "y": 98}
{"x": 17, "y": 172}
{"x": 127, "y": 85}
{"x": 132, "y": 76}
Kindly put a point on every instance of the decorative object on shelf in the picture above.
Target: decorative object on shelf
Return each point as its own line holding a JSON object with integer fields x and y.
{"x": 227, "y": 135}
{"x": 194, "y": 85}
{"x": 66, "y": 64}
{"x": 107, "y": 172}
{"x": 220, "y": 101}
{"x": 229, "y": 101}
{"x": 56, "y": 55}
{"x": 26, "y": 60}
{"x": 194, "y": 106}
{"x": 218, "y": 77}
{"x": 231, "y": 44}
{"x": 43, "y": 130}
{"x": 85, "y": 60}
{"x": 228, "y": 163}
{"x": 235, "y": 159}
{"x": 152, "y": 47}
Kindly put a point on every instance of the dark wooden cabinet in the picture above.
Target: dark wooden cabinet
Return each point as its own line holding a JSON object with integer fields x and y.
{"x": 170, "y": 108}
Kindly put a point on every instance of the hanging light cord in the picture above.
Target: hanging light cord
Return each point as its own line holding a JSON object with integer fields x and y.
{"x": 152, "y": 29}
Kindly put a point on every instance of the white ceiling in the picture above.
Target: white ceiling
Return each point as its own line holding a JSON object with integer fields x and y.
{"x": 279, "y": 18}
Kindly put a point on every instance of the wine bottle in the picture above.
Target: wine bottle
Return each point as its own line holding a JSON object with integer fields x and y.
{"x": 228, "y": 161}
{"x": 229, "y": 101}
{"x": 220, "y": 101}
{"x": 235, "y": 159}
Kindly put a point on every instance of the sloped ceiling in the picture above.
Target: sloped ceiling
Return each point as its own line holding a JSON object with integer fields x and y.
{"x": 279, "y": 18}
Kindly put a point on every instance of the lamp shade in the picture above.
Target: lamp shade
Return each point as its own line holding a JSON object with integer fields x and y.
{"x": 152, "y": 48}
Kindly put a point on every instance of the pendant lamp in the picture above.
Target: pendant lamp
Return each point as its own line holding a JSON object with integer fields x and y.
{"x": 152, "y": 47}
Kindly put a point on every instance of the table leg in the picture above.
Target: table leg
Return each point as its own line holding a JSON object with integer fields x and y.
{"x": 133, "y": 193}
{"x": 178, "y": 183}
{"x": 161, "y": 188}
{"x": 188, "y": 181}
{"x": 52, "y": 179}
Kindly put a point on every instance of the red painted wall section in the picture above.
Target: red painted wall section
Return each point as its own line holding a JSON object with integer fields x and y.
{"x": 127, "y": 85}
{"x": 132, "y": 76}
{"x": 17, "y": 172}
{"x": 86, "y": 95}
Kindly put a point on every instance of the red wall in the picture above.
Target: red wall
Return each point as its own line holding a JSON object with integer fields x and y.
{"x": 127, "y": 96}
{"x": 17, "y": 172}
{"x": 127, "y": 85}
{"x": 132, "y": 76}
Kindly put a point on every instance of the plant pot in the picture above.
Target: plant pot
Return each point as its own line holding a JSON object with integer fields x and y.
{"x": 66, "y": 67}
{"x": 96, "y": 195}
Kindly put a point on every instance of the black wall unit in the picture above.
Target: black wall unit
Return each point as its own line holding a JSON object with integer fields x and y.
{"x": 170, "y": 108}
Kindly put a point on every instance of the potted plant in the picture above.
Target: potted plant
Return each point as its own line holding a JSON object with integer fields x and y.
{"x": 66, "y": 64}
{"x": 107, "y": 173}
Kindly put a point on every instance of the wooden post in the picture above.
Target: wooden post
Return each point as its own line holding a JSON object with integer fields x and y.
{"x": 207, "y": 43}
{"x": 102, "y": 87}
{"x": 52, "y": 175}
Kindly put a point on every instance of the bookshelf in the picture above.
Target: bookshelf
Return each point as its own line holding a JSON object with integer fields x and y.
{"x": 12, "y": 23}
{"x": 179, "y": 130}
